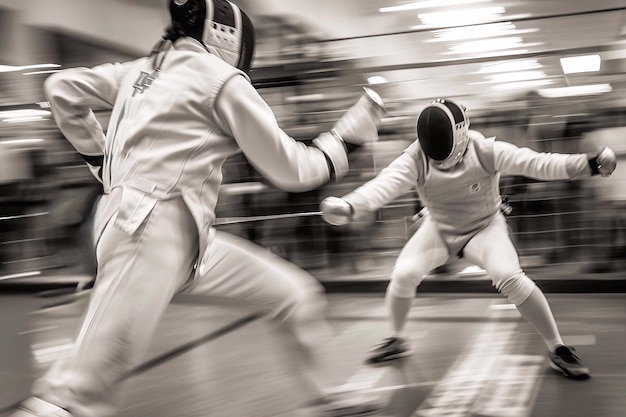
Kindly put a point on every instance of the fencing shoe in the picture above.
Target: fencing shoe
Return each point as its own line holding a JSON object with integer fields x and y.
{"x": 565, "y": 361}
{"x": 389, "y": 349}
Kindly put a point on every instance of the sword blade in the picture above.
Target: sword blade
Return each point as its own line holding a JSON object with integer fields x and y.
{"x": 246, "y": 219}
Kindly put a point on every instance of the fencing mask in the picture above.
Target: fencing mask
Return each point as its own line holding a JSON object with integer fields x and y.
{"x": 443, "y": 132}
{"x": 220, "y": 25}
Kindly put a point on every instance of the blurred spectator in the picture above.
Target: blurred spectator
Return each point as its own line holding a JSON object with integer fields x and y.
{"x": 555, "y": 206}
{"x": 571, "y": 199}
{"x": 15, "y": 171}
{"x": 512, "y": 127}
{"x": 73, "y": 193}
{"x": 350, "y": 243}
{"x": 606, "y": 206}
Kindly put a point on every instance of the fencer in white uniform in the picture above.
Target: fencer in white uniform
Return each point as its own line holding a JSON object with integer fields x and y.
{"x": 456, "y": 172}
{"x": 176, "y": 115}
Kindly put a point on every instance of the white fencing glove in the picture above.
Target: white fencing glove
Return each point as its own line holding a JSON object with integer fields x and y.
{"x": 357, "y": 126}
{"x": 604, "y": 163}
{"x": 360, "y": 123}
{"x": 336, "y": 211}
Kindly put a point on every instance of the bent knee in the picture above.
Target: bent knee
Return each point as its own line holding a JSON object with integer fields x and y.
{"x": 306, "y": 304}
{"x": 404, "y": 281}
{"x": 517, "y": 287}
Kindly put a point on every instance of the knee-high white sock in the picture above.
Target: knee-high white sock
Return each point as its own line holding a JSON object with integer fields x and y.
{"x": 536, "y": 310}
{"x": 398, "y": 310}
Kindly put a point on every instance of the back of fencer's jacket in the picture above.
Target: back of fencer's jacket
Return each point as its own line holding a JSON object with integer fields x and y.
{"x": 163, "y": 140}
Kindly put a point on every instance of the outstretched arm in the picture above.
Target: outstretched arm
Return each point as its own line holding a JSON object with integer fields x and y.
{"x": 509, "y": 159}
{"x": 391, "y": 182}
{"x": 287, "y": 163}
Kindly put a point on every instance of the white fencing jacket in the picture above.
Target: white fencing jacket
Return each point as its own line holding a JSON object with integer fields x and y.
{"x": 172, "y": 129}
{"x": 464, "y": 199}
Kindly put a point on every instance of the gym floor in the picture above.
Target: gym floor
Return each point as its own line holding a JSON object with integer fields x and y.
{"x": 474, "y": 356}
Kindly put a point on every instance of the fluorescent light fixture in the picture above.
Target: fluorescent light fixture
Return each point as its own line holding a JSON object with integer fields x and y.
{"x": 426, "y": 4}
{"x": 508, "y": 77}
{"x": 305, "y": 98}
{"x": 464, "y": 17}
{"x": 583, "y": 63}
{"x": 23, "y": 113}
{"x": 24, "y": 119}
{"x": 487, "y": 45}
{"x": 13, "y": 68}
{"x": 521, "y": 65}
{"x": 376, "y": 79}
{"x": 579, "y": 90}
{"x": 21, "y": 116}
{"x": 496, "y": 54}
{"x": 489, "y": 30}
{"x": 522, "y": 84}
{"x": 20, "y": 141}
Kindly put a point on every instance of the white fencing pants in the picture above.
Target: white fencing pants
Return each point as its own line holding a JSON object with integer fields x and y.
{"x": 139, "y": 274}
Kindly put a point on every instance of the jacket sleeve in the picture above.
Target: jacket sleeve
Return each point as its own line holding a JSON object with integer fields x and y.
{"x": 397, "y": 178}
{"x": 73, "y": 95}
{"x": 287, "y": 163}
{"x": 512, "y": 160}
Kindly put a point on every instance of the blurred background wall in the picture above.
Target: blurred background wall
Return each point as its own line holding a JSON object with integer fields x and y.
{"x": 505, "y": 60}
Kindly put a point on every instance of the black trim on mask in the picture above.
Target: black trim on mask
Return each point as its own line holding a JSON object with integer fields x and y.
{"x": 188, "y": 18}
{"x": 246, "y": 52}
{"x": 457, "y": 113}
{"x": 223, "y": 13}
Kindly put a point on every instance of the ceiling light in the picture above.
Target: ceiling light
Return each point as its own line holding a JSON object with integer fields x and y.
{"x": 376, "y": 79}
{"x": 496, "y": 54}
{"x": 23, "y": 113}
{"x": 13, "y": 68}
{"x": 23, "y": 119}
{"x": 425, "y": 4}
{"x": 584, "y": 63}
{"x": 306, "y": 98}
{"x": 486, "y": 45}
{"x": 464, "y": 17}
{"x": 20, "y": 141}
{"x": 580, "y": 90}
{"x": 507, "y": 77}
{"x": 489, "y": 30}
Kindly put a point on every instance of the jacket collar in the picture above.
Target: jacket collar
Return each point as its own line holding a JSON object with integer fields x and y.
{"x": 187, "y": 43}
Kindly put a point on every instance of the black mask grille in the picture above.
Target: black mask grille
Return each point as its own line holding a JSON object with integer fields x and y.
{"x": 435, "y": 133}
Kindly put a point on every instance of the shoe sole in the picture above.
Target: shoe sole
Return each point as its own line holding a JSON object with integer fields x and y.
{"x": 390, "y": 358}
{"x": 567, "y": 374}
